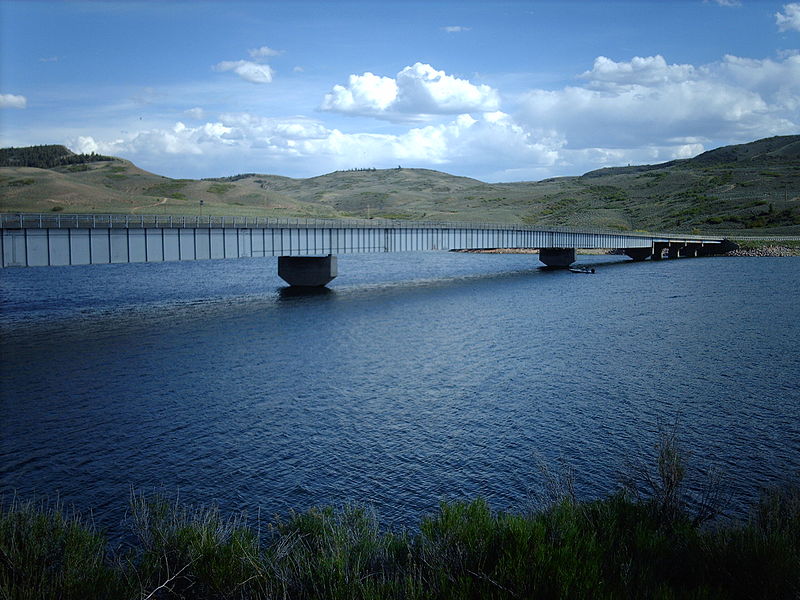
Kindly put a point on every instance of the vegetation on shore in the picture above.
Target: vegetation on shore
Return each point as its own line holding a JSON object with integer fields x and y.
{"x": 649, "y": 540}
{"x": 751, "y": 187}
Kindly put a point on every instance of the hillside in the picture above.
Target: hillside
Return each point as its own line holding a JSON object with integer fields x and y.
{"x": 753, "y": 186}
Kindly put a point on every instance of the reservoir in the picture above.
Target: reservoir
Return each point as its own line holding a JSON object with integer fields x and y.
{"x": 416, "y": 377}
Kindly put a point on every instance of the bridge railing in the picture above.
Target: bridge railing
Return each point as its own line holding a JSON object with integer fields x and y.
{"x": 112, "y": 221}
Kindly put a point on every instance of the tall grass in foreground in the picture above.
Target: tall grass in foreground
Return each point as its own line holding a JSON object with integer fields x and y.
{"x": 646, "y": 541}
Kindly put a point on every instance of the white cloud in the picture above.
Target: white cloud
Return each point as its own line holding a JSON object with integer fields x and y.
{"x": 195, "y": 113}
{"x": 639, "y": 70}
{"x": 789, "y": 18}
{"x": 364, "y": 94}
{"x": 247, "y": 70}
{"x": 246, "y": 142}
{"x": 727, "y": 2}
{"x": 416, "y": 91}
{"x": 647, "y": 102}
{"x": 455, "y": 28}
{"x": 178, "y": 140}
{"x": 263, "y": 52}
{"x": 84, "y": 144}
{"x": 13, "y": 101}
{"x": 641, "y": 110}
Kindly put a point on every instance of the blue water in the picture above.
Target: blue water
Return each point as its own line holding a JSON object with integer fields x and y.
{"x": 416, "y": 377}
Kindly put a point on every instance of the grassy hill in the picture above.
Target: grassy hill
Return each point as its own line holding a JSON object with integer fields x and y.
{"x": 750, "y": 187}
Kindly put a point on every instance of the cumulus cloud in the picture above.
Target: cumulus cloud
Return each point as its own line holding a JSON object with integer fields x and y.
{"x": 180, "y": 139}
{"x": 638, "y": 71}
{"x": 789, "y": 18}
{"x": 247, "y": 70}
{"x": 13, "y": 101}
{"x": 455, "y": 28}
{"x": 465, "y": 141}
{"x": 640, "y": 110}
{"x": 416, "y": 91}
{"x": 648, "y": 102}
{"x": 363, "y": 94}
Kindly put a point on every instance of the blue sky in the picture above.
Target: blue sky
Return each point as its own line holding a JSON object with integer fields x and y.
{"x": 500, "y": 91}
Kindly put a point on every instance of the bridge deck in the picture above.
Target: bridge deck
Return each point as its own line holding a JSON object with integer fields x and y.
{"x": 60, "y": 239}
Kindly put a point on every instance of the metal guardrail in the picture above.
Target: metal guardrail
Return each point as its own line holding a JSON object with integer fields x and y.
{"x": 762, "y": 238}
{"x": 91, "y": 221}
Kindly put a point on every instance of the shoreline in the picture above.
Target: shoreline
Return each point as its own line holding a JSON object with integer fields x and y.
{"x": 765, "y": 251}
{"x": 768, "y": 251}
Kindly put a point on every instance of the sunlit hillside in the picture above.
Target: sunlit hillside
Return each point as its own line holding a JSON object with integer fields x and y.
{"x": 753, "y": 186}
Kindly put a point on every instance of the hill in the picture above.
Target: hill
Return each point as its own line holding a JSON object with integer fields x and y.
{"x": 46, "y": 157}
{"x": 753, "y": 187}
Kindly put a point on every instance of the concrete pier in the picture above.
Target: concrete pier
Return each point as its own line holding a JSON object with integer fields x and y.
{"x": 557, "y": 257}
{"x": 307, "y": 271}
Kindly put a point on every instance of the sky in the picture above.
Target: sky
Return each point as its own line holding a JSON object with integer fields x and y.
{"x": 498, "y": 91}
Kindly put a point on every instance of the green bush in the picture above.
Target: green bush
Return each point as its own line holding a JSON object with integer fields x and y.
{"x": 651, "y": 539}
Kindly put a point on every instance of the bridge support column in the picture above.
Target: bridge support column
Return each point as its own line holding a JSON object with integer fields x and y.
{"x": 638, "y": 254}
{"x": 675, "y": 250}
{"x": 690, "y": 250}
{"x": 557, "y": 257}
{"x": 658, "y": 250}
{"x": 307, "y": 271}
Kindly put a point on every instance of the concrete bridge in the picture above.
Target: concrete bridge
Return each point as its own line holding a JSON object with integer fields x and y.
{"x": 306, "y": 248}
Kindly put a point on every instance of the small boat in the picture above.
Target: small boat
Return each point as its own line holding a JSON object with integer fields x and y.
{"x": 586, "y": 270}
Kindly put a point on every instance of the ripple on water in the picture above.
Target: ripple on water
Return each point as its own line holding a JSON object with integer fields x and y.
{"x": 414, "y": 378}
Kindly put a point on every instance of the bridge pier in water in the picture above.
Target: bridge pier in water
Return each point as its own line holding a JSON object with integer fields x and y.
{"x": 557, "y": 257}
{"x": 307, "y": 271}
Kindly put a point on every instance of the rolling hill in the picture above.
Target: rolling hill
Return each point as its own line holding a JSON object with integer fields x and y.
{"x": 754, "y": 186}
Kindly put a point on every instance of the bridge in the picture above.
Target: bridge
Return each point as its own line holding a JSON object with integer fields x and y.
{"x": 306, "y": 248}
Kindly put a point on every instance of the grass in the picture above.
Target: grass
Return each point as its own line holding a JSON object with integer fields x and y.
{"x": 648, "y": 540}
{"x": 744, "y": 188}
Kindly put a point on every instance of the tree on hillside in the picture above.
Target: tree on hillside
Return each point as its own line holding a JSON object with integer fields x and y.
{"x": 46, "y": 157}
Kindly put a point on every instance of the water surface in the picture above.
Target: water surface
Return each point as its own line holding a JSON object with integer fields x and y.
{"x": 415, "y": 377}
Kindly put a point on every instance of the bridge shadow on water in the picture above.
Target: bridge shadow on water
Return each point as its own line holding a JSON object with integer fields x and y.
{"x": 408, "y": 287}
{"x": 289, "y": 296}
{"x": 174, "y": 313}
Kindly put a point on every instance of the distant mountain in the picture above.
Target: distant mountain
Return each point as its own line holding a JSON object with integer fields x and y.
{"x": 778, "y": 148}
{"x": 753, "y": 186}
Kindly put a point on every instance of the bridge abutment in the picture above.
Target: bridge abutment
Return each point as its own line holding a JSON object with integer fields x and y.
{"x": 557, "y": 257}
{"x": 307, "y": 271}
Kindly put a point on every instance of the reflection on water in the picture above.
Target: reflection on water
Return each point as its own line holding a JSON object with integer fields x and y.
{"x": 413, "y": 378}
{"x": 290, "y": 293}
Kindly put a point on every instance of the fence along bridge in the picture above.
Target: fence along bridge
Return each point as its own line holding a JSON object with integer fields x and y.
{"x": 306, "y": 248}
